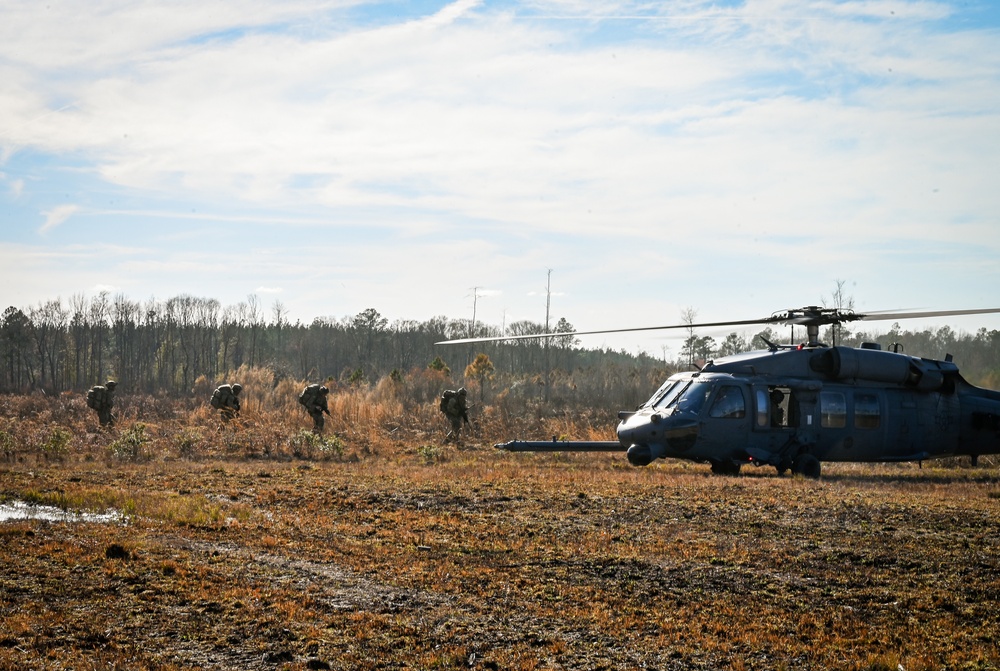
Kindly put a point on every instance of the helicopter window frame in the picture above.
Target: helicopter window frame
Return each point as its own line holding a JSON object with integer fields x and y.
{"x": 867, "y": 411}
{"x": 664, "y": 389}
{"x": 671, "y": 395}
{"x": 833, "y": 410}
{"x": 727, "y": 405}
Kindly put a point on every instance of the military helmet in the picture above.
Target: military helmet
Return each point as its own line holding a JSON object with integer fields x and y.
{"x": 237, "y": 388}
{"x": 110, "y": 384}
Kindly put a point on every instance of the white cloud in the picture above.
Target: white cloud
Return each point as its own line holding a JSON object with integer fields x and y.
{"x": 801, "y": 139}
{"x": 57, "y": 216}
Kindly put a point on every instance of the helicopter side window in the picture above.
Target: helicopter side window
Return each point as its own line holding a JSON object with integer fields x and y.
{"x": 833, "y": 410}
{"x": 729, "y": 403}
{"x": 866, "y": 411}
{"x": 763, "y": 410}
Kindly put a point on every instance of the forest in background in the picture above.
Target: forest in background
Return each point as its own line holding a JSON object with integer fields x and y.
{"x": 171, "y": 347}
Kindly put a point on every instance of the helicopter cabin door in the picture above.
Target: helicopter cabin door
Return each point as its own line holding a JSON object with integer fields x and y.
{"x": 786, "y": 418}
{"x": 852, "y": 424}
{"x": 777, "y": 418}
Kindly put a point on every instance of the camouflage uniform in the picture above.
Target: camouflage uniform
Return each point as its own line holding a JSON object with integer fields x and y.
{"x": 314, "y": 398}
{"x": 102, "y": 399}
{"x": 225, "y": 399}
{"x": 454, "y": 406}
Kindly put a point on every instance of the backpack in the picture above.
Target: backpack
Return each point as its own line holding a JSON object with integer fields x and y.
{"x": 309, "y": 395}
{"x": 217, "y": 399}
{"x": 445, "y": 397}
{"x": 93, "y": 398}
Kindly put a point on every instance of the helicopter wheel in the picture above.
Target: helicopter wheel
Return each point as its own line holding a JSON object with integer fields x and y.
{"x": 784, "y": 465}
{"x": 725, "y": 468}
{"x": 807, "y": 465}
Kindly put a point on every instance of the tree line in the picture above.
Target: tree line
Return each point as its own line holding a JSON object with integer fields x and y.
{"x": 165, "y": 346}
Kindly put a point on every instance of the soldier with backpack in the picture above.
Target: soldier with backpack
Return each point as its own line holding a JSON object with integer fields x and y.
{"x": 453, "y": 404}
{"x": 314, "y": 398}
{"x": 225, "y": 400}
{"x": 102, "y": 398}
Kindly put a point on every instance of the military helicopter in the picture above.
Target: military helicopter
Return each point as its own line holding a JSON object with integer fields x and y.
{"x": 795, "y": 406}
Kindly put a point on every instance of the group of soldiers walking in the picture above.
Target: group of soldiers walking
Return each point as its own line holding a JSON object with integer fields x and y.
{"x": 226, "y": 399}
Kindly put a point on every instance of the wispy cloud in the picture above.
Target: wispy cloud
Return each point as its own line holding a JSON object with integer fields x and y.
{"x": 57, "y": 216}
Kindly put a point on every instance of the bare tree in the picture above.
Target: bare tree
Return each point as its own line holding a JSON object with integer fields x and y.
{"x": 125, "y": 315}
{"x": 688, "y": 316}
{"x": 49, "y": 321}
{"x": 100, "y": 311}
{"x": 79, "y": 327}
{"x": 841, "y": 301}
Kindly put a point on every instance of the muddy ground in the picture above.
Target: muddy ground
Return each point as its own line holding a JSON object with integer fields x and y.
{"x": 440, "y": 558}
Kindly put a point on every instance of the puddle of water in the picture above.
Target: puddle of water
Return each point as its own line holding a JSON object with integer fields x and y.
{"x": 19, "y": 510}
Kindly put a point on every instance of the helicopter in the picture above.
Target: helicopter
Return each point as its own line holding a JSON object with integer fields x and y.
{"x": 795, "y": 406}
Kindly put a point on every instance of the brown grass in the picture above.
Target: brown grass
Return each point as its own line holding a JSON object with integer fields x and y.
{"x": 398, "y": 551}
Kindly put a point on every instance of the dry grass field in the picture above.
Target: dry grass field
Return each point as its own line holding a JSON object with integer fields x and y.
{"x": 380, "y": 547}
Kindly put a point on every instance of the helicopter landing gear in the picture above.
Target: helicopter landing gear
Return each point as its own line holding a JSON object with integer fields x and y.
{"x": 806, "y": 465}
{"x": 784, "y": 465}
{"x": 725, "y": 467}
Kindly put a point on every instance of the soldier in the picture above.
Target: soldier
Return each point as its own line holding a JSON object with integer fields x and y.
{"x": 453, "y": 405}
{"x": 225, "y": 399}
{"x": 313, "y": 398}
{"x": 102, "y": 398}
{"x": 777, "y": 412}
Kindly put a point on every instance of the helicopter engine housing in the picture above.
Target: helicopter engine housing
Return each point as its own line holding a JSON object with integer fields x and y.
{"x": 847, "y": 363}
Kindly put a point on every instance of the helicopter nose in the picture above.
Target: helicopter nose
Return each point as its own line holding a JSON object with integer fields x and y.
{"x": 650, "y": 437}
{"x": 632, "y": 429}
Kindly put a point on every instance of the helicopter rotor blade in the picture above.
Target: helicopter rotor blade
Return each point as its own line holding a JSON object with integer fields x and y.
{"x": 809, "y": 316}
{"x": 535, "y": 336}
{"x": 893, "y": 314}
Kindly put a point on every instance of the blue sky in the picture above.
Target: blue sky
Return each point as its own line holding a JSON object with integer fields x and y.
{"x": 736, "y": 158}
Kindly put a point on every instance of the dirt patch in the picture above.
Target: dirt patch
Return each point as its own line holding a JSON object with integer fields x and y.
{"x": 486, "y": 561}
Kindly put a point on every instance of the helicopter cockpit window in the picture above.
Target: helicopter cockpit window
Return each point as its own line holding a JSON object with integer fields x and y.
{"x": 664, "y": 389}
{"x": 866, "y": 411}
{"x": 670, "y": 395}
{"x": 729, "y": 403}
{"x": 833, "y": 410}
{"x": 694, "y": 396}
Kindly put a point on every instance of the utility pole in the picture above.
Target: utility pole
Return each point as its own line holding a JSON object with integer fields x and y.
{"x": 548, "y": 303}
{"x": 475, "y": 298}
